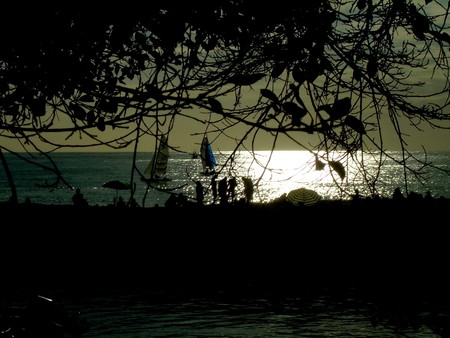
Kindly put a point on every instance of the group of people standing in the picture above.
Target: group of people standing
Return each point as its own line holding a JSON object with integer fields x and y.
{"x": 224, "y": 190}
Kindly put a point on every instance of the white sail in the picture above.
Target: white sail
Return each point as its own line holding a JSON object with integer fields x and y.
{"x": 157, "y": 167}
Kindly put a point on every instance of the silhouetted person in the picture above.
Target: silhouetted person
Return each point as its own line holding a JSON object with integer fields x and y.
{"x": 120, "y": 202}
{"x": 232, "y": 188}
{"x": 78, "y": 199}
{"x": 397, "y": 195}
{"x": 172, "y": 201}
{"x": 182, "y": 200}
{"x": 222, "y": 190}
{"x": 428, "y": 195}
{"x": 248, "y": 188}
{"x": 214, "y": 187}
{"x": 199, "y": 192}
{"x": 175, "y": 200}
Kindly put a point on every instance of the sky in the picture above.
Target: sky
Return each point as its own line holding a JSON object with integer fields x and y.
{"x": 187, "y": 134}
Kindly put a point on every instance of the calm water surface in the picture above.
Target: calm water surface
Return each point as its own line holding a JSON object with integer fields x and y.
{"x": 115, "y": 313}
{"x": 275, "y": 175}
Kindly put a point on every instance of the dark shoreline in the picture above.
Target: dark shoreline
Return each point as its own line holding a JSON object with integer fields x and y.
{"x": 394, "y": 254}
{"x": 336, "y": 241}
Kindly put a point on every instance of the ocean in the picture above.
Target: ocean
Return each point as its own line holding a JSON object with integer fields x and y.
{"x": 273, "y": 175}
{"x": 115, "y": 314}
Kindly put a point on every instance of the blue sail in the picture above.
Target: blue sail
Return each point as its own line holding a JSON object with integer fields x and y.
{"x": 206, "y": 153}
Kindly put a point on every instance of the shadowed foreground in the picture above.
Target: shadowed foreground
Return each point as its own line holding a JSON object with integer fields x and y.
{"x": 377, "y": 243}
{"x": 393, "y": 254}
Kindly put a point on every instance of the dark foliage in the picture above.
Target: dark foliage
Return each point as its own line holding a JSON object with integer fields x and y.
{"x": 330, "y": 68}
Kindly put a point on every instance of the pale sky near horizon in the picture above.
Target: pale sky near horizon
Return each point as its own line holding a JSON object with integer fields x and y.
{"x": 182, "y": 138}
{"x": 187, "y": 135}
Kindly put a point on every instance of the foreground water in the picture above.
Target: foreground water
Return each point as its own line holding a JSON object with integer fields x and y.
{"x": 274, "y": 175}
{"x": 135, "y": 316}
{"x": 139, "y": 313}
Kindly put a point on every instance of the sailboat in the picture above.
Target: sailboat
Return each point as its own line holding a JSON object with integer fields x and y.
{"x": 157, "y": 167}
{"x": 206, "y": 155}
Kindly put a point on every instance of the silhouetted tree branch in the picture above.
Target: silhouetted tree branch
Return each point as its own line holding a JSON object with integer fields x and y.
{"x": 336, "y": 69}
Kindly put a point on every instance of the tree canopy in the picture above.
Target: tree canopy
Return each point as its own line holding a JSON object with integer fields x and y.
{"x": 344, "y": 71}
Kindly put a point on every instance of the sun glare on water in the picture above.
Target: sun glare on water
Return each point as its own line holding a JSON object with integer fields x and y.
{"x": 282, "y": 171}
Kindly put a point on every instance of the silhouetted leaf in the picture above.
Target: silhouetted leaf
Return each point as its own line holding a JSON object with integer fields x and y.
{"x": 86, "y": 98}
{"x": 270, "y": 95}
{"x": 361, "y": 4}
{"x": 339, "y": 109}
{"x": 441, "y": 36}
{"x": 246, "y": 79}
{"x": 154, "y": 92}
{"x": 216, "y": 106}
{"x": 338, "y": 167}
{"x": 78, "y": 112}
{"x": 140, "y": 38}
{"x": 278, "y": 69}
{"x": 110, "y": 106}
{"x": 342, "y": 107}
{"x": 326, "y": 64}
{"x": 445, "y": 37}
{"x": 101, "y": 123}
{"x": 193, "y": 59}
{"x": 90, "y": 117}
{"x": 324, "y": 124}
{"x": 418, "y": 32}
{"x": 319, "y": 164}
{"x": 296, "y": 90}
{"x": 12, "y": 110}
{"x": 419, "y": 23}
{"x": 37, "y": 107}
{"x": 210, "y": 43}
{"x": 298, "y": 75}
{"x": 428, "y": 1}
{"x": 295, "y": 112}
{"x": 293, "y": 109}
{"x": 355, "y": 124}
{"x": 356, "y": 74}
{"x": 313, "y": 71}
{"x": 326, "y": 108}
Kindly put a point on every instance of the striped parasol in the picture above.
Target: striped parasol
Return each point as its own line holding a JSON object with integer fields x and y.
{"x": 303, "y": 196}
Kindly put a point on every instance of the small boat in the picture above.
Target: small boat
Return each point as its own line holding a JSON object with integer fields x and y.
{"x": 157, "y": 167}
{"x": 209, "y": 162}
